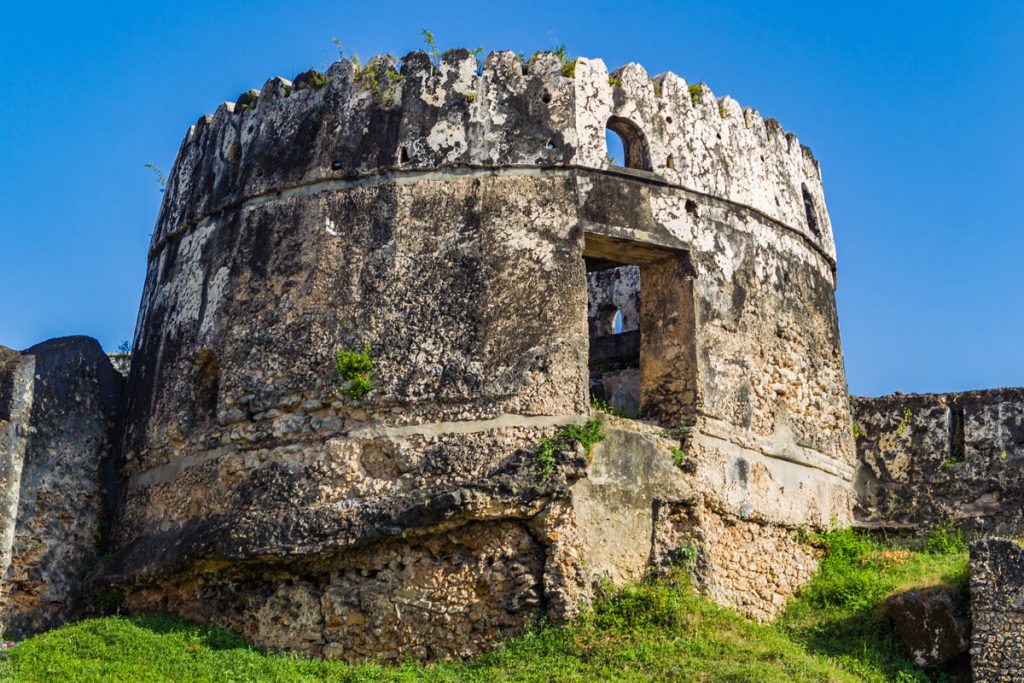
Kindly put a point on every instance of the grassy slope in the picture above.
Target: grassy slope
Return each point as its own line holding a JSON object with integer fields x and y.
{"x": 653, "y": 631}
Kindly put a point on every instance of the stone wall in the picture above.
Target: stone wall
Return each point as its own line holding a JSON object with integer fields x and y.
{"x": 58, "y": 414}
{"x": 997, "y": 611}
{"x": 926, "y": 459}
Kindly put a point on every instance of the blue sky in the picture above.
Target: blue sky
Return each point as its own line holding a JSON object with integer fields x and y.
{"x": 914, "y": 110}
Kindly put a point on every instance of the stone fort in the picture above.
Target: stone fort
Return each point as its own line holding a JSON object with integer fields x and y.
{"x": 461, "y": 228}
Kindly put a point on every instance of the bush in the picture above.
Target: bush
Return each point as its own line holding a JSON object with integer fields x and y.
{"x": 946, "y": 539}
{"x": 353, "y": 370}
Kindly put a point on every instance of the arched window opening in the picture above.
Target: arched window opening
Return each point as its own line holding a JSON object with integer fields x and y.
{"x": 811, "y": 210}
{"x": 617, "y": 322}
{"x": 627, "y": 145}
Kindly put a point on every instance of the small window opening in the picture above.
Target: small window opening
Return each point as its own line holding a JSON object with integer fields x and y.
{"x": 551, "y": 145}
{"x": 670, "y": 162}
{"x": 613, "y": 312}
{"x": 403, "y": 156}
{"x": 546, "y": 97}
{"x": 627, "y": 145}
{"x": 811, "y": 211}
{"x": 336, "y": 166}
{"x": 206, "y": 380}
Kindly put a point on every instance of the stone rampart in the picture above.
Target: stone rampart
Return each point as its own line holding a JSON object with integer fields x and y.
{"x": 928, "y": 459}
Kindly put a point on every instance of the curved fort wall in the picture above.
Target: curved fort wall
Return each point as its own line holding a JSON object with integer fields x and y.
{"x": 445, "y": 220}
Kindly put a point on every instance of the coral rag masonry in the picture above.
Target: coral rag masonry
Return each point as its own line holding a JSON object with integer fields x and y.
{"x": 462, "y": 227}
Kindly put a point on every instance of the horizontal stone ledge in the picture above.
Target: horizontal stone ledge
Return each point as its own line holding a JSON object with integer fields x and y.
{"x": 400, "y": 176}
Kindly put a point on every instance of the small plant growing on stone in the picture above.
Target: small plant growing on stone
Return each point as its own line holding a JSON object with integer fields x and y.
{"x": 858, "y": 431}
{"x": 357, "y": 65}
{"x": 373, "y": 75}
{"x": 435, "y": 54}
{"x": 954, "y": 459}
{"x": 568, "y": 65}
{"x": 724, "y": 112}
{"x": 319, "y": 80}
{"x": 545, "y": 460}
{"x": 905, "y": 422}
{"x": 679, "y": 432}
{"x": 678, "y": 456}
{"x": 696, "y": 93}
{"x": 686, "y": 555}
{"x": 353, "y": 370}
{"x": 946, "y": 539}
{"x": 161, "y": 179}
{"x": 614, "y": 81}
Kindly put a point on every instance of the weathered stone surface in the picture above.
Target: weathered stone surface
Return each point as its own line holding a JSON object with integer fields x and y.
{"x": 446, "y": 223}
{"x": 932, "y": 622}
{"x": 58, "y": 410}
{"x": 743, "y": 563}
{"x": 925, "y": 459}
{"x": 997, "y": 611}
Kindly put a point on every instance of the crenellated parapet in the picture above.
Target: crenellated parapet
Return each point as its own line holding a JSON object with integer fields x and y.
{"x": 386, "y": 118}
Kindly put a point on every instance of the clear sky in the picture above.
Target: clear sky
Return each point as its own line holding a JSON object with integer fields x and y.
{"x": 913, "y": 109}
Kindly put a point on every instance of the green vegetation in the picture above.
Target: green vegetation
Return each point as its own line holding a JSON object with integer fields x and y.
{"x": 586, "y": 434}
{"x": 945, "y": 540}
{"x": 600, "y": 405}
{"x": 905, "y": 422}
{"x": 680, "y": 432}
{"x": 839, "y": 615}
{"x": 686, "y": 555}
{"x": 374, "y": 75}
{"x": 568, "y": 65}
{"x": 161, "y": 179}
{"x": 435, "y": 54}
{"x": 858, "y": 431}
{"x": 320, "y": 80}
{"x": 353, "y": 370}
{"x": 678, "y": 455}
{"x": 656, "y": 630}
{"x": 724, "y": 112}
{"x": 954, "y": 459}
{"x": 614, "y": 81}
{"x": 696, "y": 93}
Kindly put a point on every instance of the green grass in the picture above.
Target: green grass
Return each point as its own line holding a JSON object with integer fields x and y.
{"x": 652, "y": 631}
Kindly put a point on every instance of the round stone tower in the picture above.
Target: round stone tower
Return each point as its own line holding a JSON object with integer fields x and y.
{"x": 461, "y": 228}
